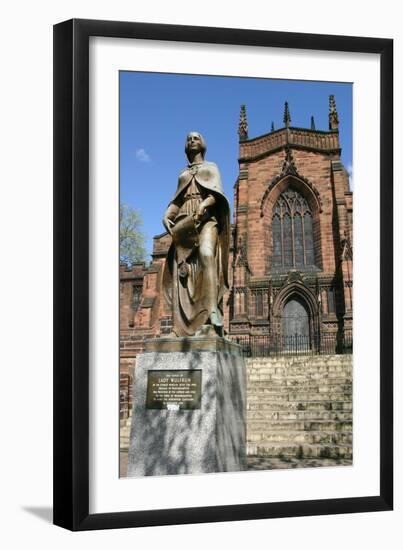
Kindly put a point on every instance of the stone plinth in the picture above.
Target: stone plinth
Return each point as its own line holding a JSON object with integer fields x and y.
{"x": 211, "y": 438}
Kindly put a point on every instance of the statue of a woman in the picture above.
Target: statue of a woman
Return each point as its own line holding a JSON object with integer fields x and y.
{"x": 196, "y": 270}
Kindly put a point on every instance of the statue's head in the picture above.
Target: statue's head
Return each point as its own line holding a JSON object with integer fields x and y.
{"x": 195, "y": 144}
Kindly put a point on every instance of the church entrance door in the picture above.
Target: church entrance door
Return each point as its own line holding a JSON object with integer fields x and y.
{"x": 295, "y": 325}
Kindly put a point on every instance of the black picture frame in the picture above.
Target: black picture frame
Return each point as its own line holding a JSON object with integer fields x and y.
{"x": 71, "y": 274}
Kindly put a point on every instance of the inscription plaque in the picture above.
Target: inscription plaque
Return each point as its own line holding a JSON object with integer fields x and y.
{"x": 174, "y": 389}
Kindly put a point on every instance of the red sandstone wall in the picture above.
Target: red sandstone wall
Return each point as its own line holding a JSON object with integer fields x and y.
{"x": 316, "y": 168}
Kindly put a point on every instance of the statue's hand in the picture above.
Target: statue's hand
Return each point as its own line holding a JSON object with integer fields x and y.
{"x": 168, "y": 224}
{"x": 201, "y": 210}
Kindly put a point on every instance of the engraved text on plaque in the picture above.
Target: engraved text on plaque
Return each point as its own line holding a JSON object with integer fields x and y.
{"x": 173, "y": 389}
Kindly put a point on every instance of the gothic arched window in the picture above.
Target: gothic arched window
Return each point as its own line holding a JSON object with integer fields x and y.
{"x": 292, "y": 230}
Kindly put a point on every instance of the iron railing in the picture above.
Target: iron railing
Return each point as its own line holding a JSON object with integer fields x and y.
{"x": 272, "y": 345}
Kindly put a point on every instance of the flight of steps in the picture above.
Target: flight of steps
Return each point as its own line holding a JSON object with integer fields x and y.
{"x": 300, "y": 407}
{"x": 125, "y": 433}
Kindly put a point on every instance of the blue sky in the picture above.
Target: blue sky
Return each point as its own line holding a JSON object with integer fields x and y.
{"x": 157, "y": 111}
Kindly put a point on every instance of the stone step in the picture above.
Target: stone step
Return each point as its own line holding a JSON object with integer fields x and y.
{"x": 295, "y": 425}
{"x": 300, "y": 437}
{"x": 319, "y": 405}
{"x": 299, "y": 451}
{"x": 312, "y": 415}
{"x": 276, "y": 463}
{"x": 280, "y": 379}
{"x": 259, "y": 390}
{"x": 313, "y": 372}
{"x": 126, "y": 422}
{"x": 298, "y": 358}
{"x": 300, "y": 363}
{"x": 291, "y": 370}
{"x": 124, "y": 445}
{"x": 298, "y": 380}
{"x": 299, "y": 396}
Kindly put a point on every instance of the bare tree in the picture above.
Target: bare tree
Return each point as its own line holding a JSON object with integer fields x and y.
{"x": 131, "y": 238}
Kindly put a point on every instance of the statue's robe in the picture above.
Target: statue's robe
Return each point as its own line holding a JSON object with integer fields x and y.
{"x": 189, "y": 306}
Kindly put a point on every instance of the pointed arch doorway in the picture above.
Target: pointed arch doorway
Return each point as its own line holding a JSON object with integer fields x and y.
{"x": 295, "y": 321}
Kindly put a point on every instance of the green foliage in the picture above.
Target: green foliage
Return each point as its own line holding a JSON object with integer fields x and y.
{"x": 131, "y": 237}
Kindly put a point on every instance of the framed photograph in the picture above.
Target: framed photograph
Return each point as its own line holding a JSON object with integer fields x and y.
{"x": 213, "y": 360}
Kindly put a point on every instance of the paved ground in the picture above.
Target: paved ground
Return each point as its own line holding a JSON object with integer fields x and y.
{"x": 258, "y": 463}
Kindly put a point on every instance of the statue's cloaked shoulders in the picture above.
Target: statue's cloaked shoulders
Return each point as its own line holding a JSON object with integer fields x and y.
{"x": 206, "y": 174}
{"x": 201, "y": 165}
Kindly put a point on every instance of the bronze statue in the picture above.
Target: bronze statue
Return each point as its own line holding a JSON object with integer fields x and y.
{"x": 196, "y": 270}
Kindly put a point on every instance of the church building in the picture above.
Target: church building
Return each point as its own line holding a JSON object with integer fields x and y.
{"x": 292, "y": 255}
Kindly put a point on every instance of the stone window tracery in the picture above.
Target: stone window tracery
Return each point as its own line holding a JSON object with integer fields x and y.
{"x": 292, "y": 232}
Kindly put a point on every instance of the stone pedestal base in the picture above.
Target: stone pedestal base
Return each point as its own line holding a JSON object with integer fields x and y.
{"x": 211, "y": 438}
